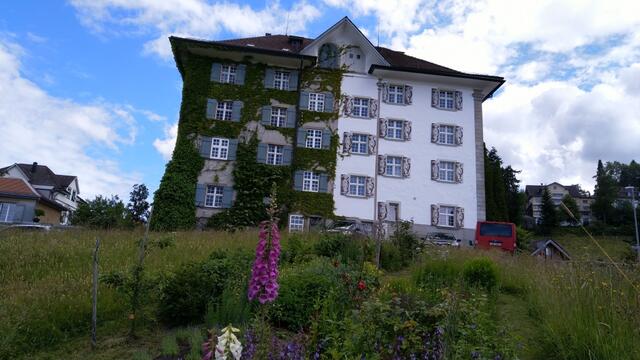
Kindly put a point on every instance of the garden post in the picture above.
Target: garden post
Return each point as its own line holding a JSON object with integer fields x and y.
{"x": 94, "y": 313}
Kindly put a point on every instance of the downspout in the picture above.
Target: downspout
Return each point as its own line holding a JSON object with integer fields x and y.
{"x": 376, "y": 221}
{"x": 307, "y": 224}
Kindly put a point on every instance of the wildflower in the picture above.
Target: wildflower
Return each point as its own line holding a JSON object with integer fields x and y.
{"x": 228, "y": 343}
{"x": 362, "y": 285}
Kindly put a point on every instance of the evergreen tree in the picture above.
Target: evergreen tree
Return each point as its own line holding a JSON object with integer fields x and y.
{"x": 548, "y": 216}
{"x": 571, "y": 204}
{"x": 138, "y": 206}
{"x": 605, "y": 194}
{"x": 503, "y": 200}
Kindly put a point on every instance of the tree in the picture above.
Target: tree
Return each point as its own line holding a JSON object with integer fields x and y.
{"x": 604, "y": 194}
{"x": 504, "y": 202}
{"x": 571, "y": 204}
{"x": 138, "y": 206}
{"x": 102, "y": 213}
{"x": 548, "y": 216}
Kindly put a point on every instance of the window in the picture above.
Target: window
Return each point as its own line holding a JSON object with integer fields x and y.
{"x": 278, "y": 116}
{"x": 394, "y": 129}
{"x": 224, "y": 109}
{"x": 281, "y": 80}
{"x": 219, "y": 148}
{"x": 447, "y": 169}
{"x": 357, "y": 185}
{"x": 274, "y": 154}
{"x": 5, "y": 212}
{"x": 396, "y": 94}
{"x": 394, "y": 166}
{"x": 446, "y": 216}
{"x": 360, "y": 144}
{"x": 316, "y": 102}
{"x": 213, "y": 198}
{"x": 360, "y": 107}
{"x": 446, "y": 135}
{"x": 314, "y": 139}
{"x": 73, "y": 195}
{"x": 446, "y": 99}
{"x": 296, "y": 223}
{"x": 228, "y": 74}
{"x": 310, "y": 181}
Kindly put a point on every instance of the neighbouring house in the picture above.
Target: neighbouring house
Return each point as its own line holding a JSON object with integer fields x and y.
{"x": 550, "y": 250}
{"x": 558, "y": 192}
{"x": 59, "y": 195}
{"x": 19, "y": 201}
{"x": 358, "y": 131}
{"x": 625, "y": 195}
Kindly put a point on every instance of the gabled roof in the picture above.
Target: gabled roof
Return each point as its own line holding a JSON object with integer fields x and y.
{"x": 42, "y": 175}
{"x": 574, "y": 190}
{"x": 543, "y": 244}
{"x": 285, "y": 43}
{"x": 16, "y": 187}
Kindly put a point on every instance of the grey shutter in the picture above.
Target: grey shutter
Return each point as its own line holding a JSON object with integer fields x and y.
{"x": 385, "y": 92}
{"x": 328, "y": 101}
{"x": 200, "y": 191}
{"x": 435, "y": 133}
{"x": 458, "y": 99}
{"x": 268, "y": 78}
{"x": 266, "y": 115}
{"x": 227, "y": 196}
{"x": 205, "y": 147}
{"x": 301, "y": 138}
{"x": 435, "y": 98}
{"x": 408, "y": 94}
{"x": 370, "y": 186}
{"x": 291, "y": 118}
{"x": 286, "y": 155}
{"x": 435, "y": 170}
{"x": 371, "y": 142}
{"x": 435, "y": 214}
{"x": 458, "y": 172}
{"x": 216, "y": 68}
{"x": 406, "y": 130}
{"x": 18, "y": 213}
{"x": 458, "y": 135}
{"x": 262, "y": 153}
{"x": 233, "y": 149}
{"x": 382, "y": 210}
{"x": 293, "y": 80}
{"x": 304, "y": 100}
{"x": 459, "y": 221}
{"x": 382, "y": 165}
{"x": 326, "y": 138}
{"x": 344, "y": 184}
{"x": 406, "y": 167}
{"x": 241, "y": 71}
{"x": 298, "y": 178}
{"x": 346, "y": 143}
{"x": 212, "y": 105}
{"x": 383, "y": 127}
{"x": 373, "y": 108}
{"x": 236, "y": 110}
{"x": 323, "y": 186}
{"x": 347, "y": 105}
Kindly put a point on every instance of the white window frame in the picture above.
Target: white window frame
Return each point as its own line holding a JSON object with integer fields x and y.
{"x": 316, "y": 102}
{"x": 8, "y": 207}
{"x": 358, "y": 144}
{"x": 224, "y": 110}
{"x": 313, "y": 139}
{"x": 395, "y": 94}
{"x": 310, "y": 181}
{"x": 219, "y": 149}
{"x": 281, "y": 80}
{"x": 360, "y": 107}
{"x": 357, "y": 183}
{"x": 393, "y": 166}
{"x": 446, "y": 135}
{"x": 446, "y": 99}
{"x": 394, "y": 129}
{"x": 275, "y": 154}
{"x": 213, "y": 196}
{"x": 278, "y": 116}
{"x": 228, "y": 73}
{"x": 447, "y": 171}
{"x": 296, "y": 222}
{"x": 447, "y": 216}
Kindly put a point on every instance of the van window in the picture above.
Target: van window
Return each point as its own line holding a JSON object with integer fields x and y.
{"x": 488, "y": 229}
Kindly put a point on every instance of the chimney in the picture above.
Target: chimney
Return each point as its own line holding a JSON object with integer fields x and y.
{"x": 34, "y": 166}
{"x": 267, "y": 34}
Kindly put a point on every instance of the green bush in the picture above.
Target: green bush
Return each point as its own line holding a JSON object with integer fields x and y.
{"x": 406, "y": 240}
{"x": 435, "y": 274}
{"x": 391, "y": 258}
{"x": 481, "y": 272}
{"x": 346, "y": 248}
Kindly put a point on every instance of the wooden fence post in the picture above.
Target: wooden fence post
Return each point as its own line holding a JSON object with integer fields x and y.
{"x": 94, "y": 314}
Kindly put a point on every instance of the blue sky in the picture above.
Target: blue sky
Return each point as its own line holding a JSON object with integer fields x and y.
{"x": 89, "y": 87}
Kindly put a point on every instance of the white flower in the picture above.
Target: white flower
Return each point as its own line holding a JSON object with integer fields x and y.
{"x": 228, "y": 342}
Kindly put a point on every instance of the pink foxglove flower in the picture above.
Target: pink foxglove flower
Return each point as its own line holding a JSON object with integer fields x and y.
{"x": 264, "y": 275}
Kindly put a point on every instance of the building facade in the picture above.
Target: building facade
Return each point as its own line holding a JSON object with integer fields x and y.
{"x": 354, "y": 130}
{"x": 558, "y": 192}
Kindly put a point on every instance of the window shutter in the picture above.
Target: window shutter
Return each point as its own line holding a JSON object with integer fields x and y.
{"x": 326, "y": 138}
{"x": 293, "y": 81}
{"x": 408, "y": 94}
{"x": 435, "y": 214}
{"x": 323, "y": 186}
{"x": 301, "y": 137}
{"x": 373, "y": 108}
{"x": 291, "y": 118}
{"x": 328, "y": 101}
{"x": 458, "y": 135}
{"x": 346, "y": 143}
{"x": 435, "y": 170}
{"x": 458, "y": 173}
{"x": 298, "y": 178}
{"x": 385, "y": 92}
{"x": 205, "y": 147}
{"x": 435, "y": 133}
{"x": 382, "y": 210}
{"x": 370, "y": 186}
{"x": 212, "y": 104}
{"x": 227, "y": 196}
{"x": 286, "y": 155}
{"x": 347, "y": 105}
{"x": 344, "y": 184}
{"x": 406, "y": 167}
{"x": 241, "y": 71}
{"x": 236, "y": 109}
{"x": 406, "y": 130}
{"x": 233, "y": 148}
{"x": 434, "y": 98}
{"x": 372, "y": 142}
{"x": 216, "y": 68}
{"x": 458, "y": 99}
{"x": 200, "y": 188}
{"x": 266, "y": 115}
{"x": 459, "y": 217}
{"x": 268, "y": 78}
{"x": 383, "y": 123}
{"x": 382, "y": 165}
{"x": 262, "y": 153}
{"x": 304, "y": 100}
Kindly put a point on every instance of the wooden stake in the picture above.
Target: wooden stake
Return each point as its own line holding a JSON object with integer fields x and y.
{"x": 94, "y": 313}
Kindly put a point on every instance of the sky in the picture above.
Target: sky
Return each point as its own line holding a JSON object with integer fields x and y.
{"x": 90, "y": 88}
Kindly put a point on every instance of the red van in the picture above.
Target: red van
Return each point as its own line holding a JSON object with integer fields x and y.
{"x": 496, "y": 234}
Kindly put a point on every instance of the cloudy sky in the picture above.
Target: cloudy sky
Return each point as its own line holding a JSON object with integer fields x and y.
{"x": 89, "y": 87}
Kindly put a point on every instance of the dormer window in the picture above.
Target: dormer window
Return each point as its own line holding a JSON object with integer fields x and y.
{"x": 328, "y": 56}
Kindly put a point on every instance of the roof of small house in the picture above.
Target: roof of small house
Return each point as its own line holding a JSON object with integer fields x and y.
{"x": 42, "y": 175}
{"x": 16, "y": 187}
{"x": 539, "y": 246}
{"x": 574, "y": 190}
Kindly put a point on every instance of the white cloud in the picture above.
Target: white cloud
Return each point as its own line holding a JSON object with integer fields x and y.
{"x": 69, "y": 137}
{"x": 193, "y": 18}
{"x": 165, "y": 146}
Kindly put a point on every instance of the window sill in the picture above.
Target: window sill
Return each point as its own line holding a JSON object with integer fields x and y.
{"x": 356, "y": 196}
{"x": 449, "y": 145}
{"x": 445, "y": 182}
{"x": 394, "y": 139}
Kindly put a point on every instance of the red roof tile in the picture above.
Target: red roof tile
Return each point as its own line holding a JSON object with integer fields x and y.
{"x": 15, "y": 186}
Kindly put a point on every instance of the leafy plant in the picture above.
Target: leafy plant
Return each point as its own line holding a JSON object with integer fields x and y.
{"x": 481, "y": 272}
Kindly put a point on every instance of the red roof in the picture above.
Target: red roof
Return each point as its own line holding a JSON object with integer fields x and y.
{"x": 16, "y": 187}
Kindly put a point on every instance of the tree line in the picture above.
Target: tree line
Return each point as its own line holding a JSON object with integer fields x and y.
{"x": 111, "y": 213}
